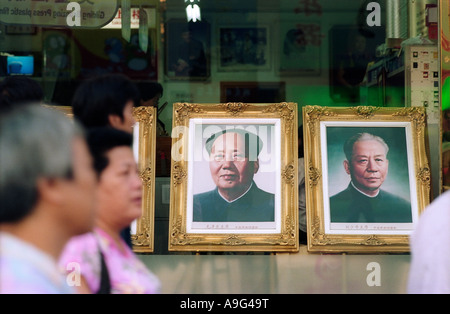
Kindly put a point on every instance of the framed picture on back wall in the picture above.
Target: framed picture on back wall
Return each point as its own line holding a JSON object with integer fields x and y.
{"x": 244, "y": 48}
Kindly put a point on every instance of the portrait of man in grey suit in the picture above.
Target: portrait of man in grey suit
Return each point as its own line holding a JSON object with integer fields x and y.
{"x": 364, "y": 200}
{"x": 233, "y": 162}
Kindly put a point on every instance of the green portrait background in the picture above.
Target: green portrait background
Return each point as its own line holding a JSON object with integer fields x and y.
{"x": 397, "y": 180}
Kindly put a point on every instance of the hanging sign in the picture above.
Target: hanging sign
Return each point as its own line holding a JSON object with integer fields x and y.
{"x": 126, "y": 19}
{"x": 135, "y": 22}
{"x": 59, "y": 13}
{"x": 143, "y": 30}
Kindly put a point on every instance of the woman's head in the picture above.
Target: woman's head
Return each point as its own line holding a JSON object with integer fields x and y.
{"x": 120, "y": 186}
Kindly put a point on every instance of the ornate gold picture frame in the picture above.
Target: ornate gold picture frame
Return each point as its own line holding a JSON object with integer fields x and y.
{"x": 142, "y": 234}
{"x": 216, "y": 202}
{"x": 395, "y": 176}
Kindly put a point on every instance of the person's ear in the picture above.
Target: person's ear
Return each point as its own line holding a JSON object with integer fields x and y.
{"x": 347, "y": 166}
{"x": 146, "y": 103}
{"x": 49, "y": 190}
{"x": 256, "y": 166}
{"x": 115, "y": 121}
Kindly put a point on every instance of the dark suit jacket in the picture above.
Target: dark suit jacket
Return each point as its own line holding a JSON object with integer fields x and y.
{"x": 255, "y": 206}
{"x": 352, "y": 206}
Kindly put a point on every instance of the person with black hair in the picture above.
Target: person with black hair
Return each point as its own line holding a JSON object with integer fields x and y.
{"x": 119, "y": 196}
{"x": 47, "y": 196}
{"x": 107, "y": 100}
{"x": 19, "y": 90}
{"x": 151, "y": 93}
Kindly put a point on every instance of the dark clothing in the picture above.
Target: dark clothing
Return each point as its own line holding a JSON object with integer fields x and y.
{"x": 351, "y": 205}
{"x": 126, "y": 236}
{"x": 354, "y": 67}
{"x": 255, "y": 206}
{"x": 194, "y": 55}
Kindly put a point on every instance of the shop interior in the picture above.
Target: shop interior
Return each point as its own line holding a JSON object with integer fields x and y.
{"x": 254, "y": 51}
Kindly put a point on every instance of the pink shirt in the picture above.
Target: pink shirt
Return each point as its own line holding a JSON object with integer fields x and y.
{"x": 128, "y": 275}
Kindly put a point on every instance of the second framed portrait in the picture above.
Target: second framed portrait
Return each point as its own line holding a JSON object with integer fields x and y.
{"x": 369, "y": 177}
{"x": 233, "y": 178}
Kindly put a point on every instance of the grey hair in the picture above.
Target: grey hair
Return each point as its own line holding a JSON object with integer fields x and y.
{"x": 35, "y": 142}
{"x": 348, "y": 146}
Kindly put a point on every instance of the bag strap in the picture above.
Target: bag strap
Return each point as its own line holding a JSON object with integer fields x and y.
{"x": 105, "y": 284}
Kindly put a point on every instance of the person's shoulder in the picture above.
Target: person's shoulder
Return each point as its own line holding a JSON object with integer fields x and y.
{"x": 204, "y": 195}
{"x": 435, "y": 217}
{"x": 259, "y": 190}
{"x": 439, "y": 205}
{"x": 429, "y": 265}
{"x": 401, "y": 204}
{"x": 77, "y": 248}
{"x": 205, "y": 198}
{"x": 342, "y": 195}
{"x": 83, "y": 250}
{"x": 33, "y": 283}
{"x": 394, "y": 198}
{"x": 263, "y": 194}
{"x": 21, "y": 276}
{"x": 433, "y": 224}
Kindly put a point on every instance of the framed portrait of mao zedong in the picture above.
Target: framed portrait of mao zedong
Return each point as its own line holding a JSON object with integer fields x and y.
{"x": 233, "y": 183}
{"x": 369, "y": 178}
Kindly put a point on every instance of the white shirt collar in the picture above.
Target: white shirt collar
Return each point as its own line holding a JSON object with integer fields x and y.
{"x": 371, "y": 196}
{"x": 236, "y": 198}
